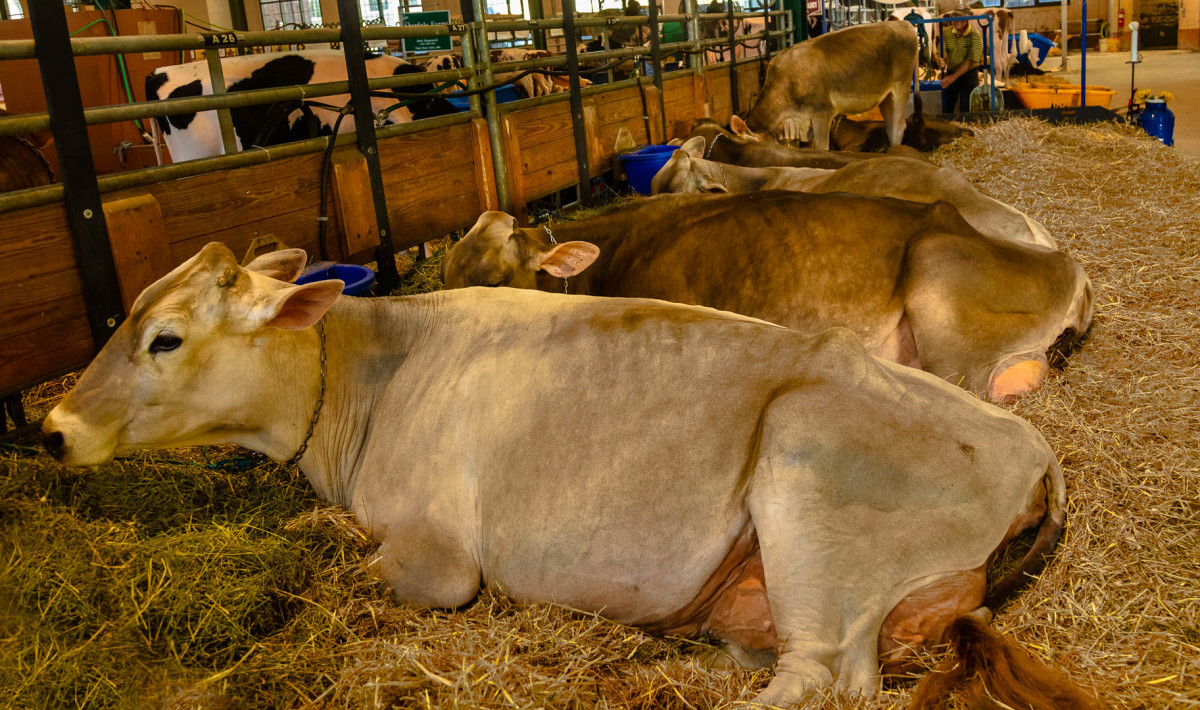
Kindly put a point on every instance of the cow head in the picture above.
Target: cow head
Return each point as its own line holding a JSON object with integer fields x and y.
{"x": 496, "y": 252}
{"x": 688, "y": 171}
{"x": 192, "y": 363}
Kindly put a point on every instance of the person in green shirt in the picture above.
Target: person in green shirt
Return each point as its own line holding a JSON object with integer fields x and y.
{"x": 675, "y": 32}
{"x": 963, "y": 55}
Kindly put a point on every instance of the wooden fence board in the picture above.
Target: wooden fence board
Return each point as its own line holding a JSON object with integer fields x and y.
{"x": 41, "y": 300}
{"x": 54, "y": 347}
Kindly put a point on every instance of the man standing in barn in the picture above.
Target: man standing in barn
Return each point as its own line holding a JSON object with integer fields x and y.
{"x": 963, "y": 54}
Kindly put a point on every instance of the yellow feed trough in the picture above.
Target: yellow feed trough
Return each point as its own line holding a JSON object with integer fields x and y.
{"x": 1061, "y": 95}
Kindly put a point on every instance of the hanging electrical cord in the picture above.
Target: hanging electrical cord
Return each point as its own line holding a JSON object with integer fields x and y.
{"x": 120, "y": 64}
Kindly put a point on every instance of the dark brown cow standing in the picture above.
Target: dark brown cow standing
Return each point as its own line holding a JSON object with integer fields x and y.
{"x": 916, "y": 282}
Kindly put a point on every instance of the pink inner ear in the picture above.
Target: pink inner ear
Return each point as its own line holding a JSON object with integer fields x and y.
{"x": 305, "y": 305}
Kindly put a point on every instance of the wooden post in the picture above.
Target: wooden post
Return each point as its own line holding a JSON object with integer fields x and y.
{"x": 140, "y": 250}
{"x": 485, "y": 177}
{"x": 352, "y": 201}
{"x": 516, "y": 174}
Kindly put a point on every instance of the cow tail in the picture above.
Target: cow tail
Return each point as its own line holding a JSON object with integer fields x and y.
{"x": 1048, "y": 534}
{"x": 995, "y": 673}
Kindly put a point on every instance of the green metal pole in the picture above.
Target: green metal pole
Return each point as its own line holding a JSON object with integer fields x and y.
{"x": 237, "y": 14}
{"x": 537, "y": 13}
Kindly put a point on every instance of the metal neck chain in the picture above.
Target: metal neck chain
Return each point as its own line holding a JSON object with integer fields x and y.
{"x": 312, "y": 424}
{"x": 723, "y": 183}
{"x": 711, "y": 145}
{"x": 554, "y": 241}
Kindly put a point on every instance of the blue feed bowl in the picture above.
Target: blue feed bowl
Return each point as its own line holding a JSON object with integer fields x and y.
{"x": 358, "y": 278}
{"x": 644, "y": 163}
{"x": 504, "y": 95}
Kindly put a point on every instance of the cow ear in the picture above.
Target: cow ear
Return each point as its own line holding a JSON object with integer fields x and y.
{"x": 738, "y": 126}
{"x": 294, "y": 307}
{"x": 694, "y": 147}
{"x": 568, "y": 259}
{"x": 284, "y": 265}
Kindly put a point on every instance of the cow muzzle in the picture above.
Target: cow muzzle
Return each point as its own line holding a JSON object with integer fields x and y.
{"x": 71, "y": 443}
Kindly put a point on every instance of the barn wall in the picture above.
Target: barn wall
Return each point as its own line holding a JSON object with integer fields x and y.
{"x": 1189, "y": 24}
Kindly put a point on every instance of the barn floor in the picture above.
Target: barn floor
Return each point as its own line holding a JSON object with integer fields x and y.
{"x": 202, "y": 578}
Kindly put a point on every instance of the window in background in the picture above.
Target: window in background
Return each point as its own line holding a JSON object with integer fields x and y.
{"x": 386, "y": 12}
{"x": 278, "y": 14}
{"x": 14, "y": 9}
{"x": 1021, "y": 3}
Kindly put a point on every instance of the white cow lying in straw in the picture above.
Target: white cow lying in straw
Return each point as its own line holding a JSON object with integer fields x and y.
{"x": 902, "y": 178}
{"x": 673, "y": 467}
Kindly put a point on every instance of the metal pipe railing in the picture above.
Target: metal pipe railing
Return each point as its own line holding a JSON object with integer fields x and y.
{"x": 480, "y": 72}
{"x": 30, "y": 122}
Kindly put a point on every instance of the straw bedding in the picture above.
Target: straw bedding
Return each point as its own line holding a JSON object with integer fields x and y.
{"x": 176, "y": 579}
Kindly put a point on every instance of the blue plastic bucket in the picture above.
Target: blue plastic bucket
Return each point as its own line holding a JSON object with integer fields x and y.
{"x": 504, "y": 94}
{"x": 644, "y": 163}
{"x": 358, "y": 278}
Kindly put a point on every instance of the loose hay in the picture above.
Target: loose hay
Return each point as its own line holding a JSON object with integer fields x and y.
{"x": 159, "y": 581}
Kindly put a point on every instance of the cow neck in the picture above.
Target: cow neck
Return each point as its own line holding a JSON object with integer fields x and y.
{"x": 363, "y": 338}
{"x": 739, "y": 179}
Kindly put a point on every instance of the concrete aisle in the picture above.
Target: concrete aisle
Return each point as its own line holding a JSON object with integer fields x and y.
{"x": 1176, "y": 71}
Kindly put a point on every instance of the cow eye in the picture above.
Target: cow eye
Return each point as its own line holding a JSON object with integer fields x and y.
{"x": 165, "y": 342}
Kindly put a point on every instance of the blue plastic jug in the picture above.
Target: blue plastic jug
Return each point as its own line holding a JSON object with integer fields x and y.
{"x": 1158, "y": 121}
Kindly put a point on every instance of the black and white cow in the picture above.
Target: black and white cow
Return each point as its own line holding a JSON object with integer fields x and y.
{"x": 197, "y": 135}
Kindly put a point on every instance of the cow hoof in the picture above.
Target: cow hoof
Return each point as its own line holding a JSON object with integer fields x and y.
{"x": 1015, "y": 381}
{"x": 752, "y": 659}
{"x": 788, "y": 687}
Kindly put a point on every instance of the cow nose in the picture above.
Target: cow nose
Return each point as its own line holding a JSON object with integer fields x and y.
{"x": 54, "y": 444}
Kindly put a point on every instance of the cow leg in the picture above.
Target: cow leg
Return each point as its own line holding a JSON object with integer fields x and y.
{"x": 822, "y": 124}
{"x": 425, "y": 570}
{"x": 824, "y": 631}
{"x": 892, "y": 108}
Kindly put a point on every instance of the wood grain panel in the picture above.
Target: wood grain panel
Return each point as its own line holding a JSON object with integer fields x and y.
{"x": 215, "y": 202}
{"x": 535, "y": 127}
{"x": 296, "y": 229}
{"x": 535, "y": 158}
{"x": 551, "y": 178}
{"x": 55, "y": 347}
{"x": 35, "y": 241}
{"x": 42, "y": 299}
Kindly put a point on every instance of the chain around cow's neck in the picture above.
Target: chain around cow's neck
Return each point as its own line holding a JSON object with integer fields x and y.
{"x": 712, "y": 145}
{"x": 554, "y": 241}
{"x": 312, "y": 424}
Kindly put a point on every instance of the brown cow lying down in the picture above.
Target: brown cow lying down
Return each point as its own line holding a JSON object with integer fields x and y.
{"x": 672, "y": 467}
{"x": 924, "y": 134}
{"x": 916, "y": 282}
{"x": 902, "y": 178}
{"x": 849, "y": 71}
{"x": 725, "y": 146}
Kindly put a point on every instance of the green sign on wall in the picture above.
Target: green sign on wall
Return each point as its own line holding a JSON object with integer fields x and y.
{"x": 426, "y": 44}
